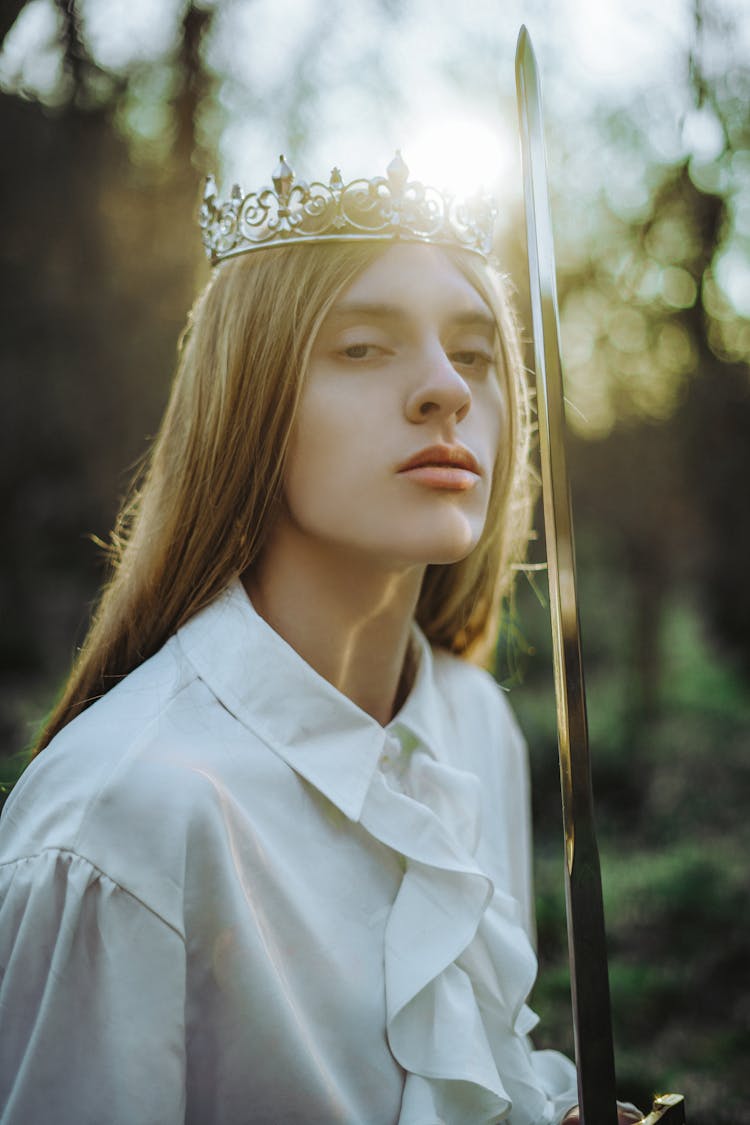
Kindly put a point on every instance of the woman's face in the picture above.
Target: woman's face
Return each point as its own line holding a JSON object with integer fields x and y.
{"x": 401, "y": 374}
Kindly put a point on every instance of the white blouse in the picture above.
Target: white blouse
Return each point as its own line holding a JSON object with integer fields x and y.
{"x": 229, "y": 896}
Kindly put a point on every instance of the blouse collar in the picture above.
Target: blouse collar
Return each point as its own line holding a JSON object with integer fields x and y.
{"x": 317, "y": 730}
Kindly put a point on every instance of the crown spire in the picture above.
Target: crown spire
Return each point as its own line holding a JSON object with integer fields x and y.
{"x": 397, "y": 173}
{"x": 282, "y": 179}
{"x": 386, "y": 208}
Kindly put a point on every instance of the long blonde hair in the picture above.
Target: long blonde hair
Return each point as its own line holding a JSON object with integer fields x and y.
{"x": 200, "y": 513}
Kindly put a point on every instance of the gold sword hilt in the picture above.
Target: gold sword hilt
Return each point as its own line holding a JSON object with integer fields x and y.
{"x": 668, "y": 1109}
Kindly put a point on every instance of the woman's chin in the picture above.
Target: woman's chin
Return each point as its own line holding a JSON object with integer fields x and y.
{"x": 442, "y": 550}
{"x": 446, "y": 557}
{"x": 449, "y": 541}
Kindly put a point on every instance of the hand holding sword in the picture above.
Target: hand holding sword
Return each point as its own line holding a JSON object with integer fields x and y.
{"x": 667, "y": 1110}
{"x": 586, "y": 938}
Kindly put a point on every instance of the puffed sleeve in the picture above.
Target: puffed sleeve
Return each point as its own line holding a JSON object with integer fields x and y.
{"x": 92, "y": 994}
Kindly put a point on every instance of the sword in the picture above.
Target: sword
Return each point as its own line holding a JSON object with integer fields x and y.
{"x": 592, "y": 1023}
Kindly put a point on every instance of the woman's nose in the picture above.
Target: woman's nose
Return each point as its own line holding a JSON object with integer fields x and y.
{"x": 439, "y": 391}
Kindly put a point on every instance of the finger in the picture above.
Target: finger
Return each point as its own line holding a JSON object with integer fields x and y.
{"x": 626, "y": 1115}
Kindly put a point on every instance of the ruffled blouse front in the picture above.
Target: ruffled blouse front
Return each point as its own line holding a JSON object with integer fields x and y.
{"x": 458, "y": 966}
{"x": 284, "y": 910}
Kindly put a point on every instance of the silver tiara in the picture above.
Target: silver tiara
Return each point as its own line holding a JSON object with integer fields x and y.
{"x": 388, "y": 208}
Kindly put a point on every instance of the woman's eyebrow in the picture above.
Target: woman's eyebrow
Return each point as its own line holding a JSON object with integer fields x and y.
{"x": 379, "y": 310}
{"x": 474, "y": 318}
{"x": 374, "y": 310}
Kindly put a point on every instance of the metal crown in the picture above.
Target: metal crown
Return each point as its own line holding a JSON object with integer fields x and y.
{"x": 386, "y": 208}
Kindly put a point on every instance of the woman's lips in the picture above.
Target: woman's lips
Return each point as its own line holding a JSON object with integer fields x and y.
{"x": 448, "y": 477}
{"x": 450, "y": 467}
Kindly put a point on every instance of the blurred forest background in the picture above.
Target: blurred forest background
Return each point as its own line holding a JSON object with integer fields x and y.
{"x": 110, "y": 116}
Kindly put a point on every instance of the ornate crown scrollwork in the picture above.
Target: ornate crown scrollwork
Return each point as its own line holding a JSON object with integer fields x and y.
{"x": 389, "y": 207}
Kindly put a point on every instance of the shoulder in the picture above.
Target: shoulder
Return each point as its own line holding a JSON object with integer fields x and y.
{"x": 479, "y": 706}
{"x": 129, "y": 782}
{"x": 482, "y": 734}
{"x": 483, "y": 737}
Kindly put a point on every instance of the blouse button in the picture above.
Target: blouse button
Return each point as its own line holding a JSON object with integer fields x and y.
{"x": 391, "y": 751}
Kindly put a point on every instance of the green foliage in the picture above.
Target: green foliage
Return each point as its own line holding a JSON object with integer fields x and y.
{"x": 670, "y": 791}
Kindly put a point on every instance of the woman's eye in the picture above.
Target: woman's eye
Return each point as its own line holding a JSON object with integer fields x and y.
{"x": 476, "y": 360}
{"x": 360, "y": 351}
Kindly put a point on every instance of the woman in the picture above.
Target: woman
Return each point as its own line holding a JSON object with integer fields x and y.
{"x": 273, "y": 865}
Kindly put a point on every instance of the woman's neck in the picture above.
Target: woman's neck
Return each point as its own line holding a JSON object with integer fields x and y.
{"x": 349, "y": 619}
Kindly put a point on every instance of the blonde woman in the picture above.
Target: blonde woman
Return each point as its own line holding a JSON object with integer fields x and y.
{"x": 272, "y": 863}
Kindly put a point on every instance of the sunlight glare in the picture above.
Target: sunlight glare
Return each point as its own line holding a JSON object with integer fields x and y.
{"x": 460, "y": 154}
{"x": 30, "y": 55}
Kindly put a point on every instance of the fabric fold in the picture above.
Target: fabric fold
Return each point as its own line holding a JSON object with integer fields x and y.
{"x": 67, "y": 939}
{"x": 458, "y": 963}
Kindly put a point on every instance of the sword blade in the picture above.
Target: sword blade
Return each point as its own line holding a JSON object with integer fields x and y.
{"x": 585, "y": 912}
